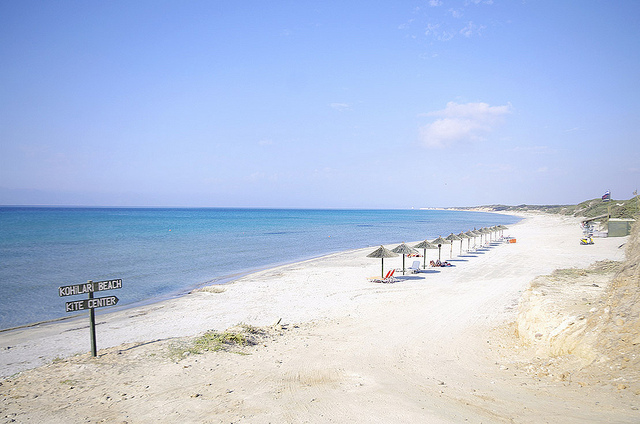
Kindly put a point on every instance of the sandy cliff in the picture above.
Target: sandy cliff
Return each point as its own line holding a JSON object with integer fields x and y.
{"x": 587, "y": 321}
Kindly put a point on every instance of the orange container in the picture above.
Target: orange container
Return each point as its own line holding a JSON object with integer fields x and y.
{"x": 512, "y": 240}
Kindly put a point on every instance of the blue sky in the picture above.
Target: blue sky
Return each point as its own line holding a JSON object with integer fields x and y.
{"x": 331, "y": 104}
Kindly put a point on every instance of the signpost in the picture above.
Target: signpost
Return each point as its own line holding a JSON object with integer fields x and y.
{"x": 91, "y": 304}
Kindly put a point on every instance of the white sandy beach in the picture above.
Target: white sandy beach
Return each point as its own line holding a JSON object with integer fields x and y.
{"x": 435, "y": 347}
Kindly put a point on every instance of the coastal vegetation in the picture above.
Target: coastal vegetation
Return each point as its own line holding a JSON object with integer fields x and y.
{"x": 213, "y": 341}
{"x": 588, "y": 209}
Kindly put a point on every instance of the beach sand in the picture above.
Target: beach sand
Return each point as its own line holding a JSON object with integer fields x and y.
{"x": 435, "y": 347}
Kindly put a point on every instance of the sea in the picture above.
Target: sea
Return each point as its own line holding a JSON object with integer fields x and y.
{"x": 160, "y": 253}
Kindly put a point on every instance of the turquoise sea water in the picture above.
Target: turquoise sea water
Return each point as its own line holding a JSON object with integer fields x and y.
{"x": 160, "y": 253}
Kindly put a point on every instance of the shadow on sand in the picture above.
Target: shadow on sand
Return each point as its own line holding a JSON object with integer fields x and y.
{"x": 408, "y": 277}
{"x": 429, "y": 271}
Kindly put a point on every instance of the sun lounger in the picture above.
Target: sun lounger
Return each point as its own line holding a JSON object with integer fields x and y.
{"x": 380, "y": 280}
{"x": 415, "y": 267}
{"x": 390, "y": 278}
{"x": 387, "y": 278}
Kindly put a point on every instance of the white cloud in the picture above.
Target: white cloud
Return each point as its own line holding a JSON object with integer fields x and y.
{"x": 447, "y": 28}
{"x": 471, "y": 29}
{"x": 462, "y": 122}
{"x": 434, "y": 31}
{"x": 340, "y": 106}
{"x": 406, "y": 25}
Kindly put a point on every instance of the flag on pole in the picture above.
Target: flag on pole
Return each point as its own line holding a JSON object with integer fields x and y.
{"x": 606, "y": 196}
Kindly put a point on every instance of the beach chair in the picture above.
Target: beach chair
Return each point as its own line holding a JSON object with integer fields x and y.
{"x": 381, "y": 280}
{"x": 415, "y": 267}
{"x": 390, "y": 278}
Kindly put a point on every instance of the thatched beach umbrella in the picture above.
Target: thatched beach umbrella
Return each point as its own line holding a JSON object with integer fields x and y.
{"x": 494, "y": 231}
{"x": 425, "y": 245}
{"x": 502, "y": 228}
{"x": 403, "y": 249}
{"x": 452, "y": 237}
{"x": 486, "y": 231}
{"x": 470, "y": 235}
{"x": 489, "y": 233}
{"x": 477, "y": 233}
{"x": 439, "y": 242}
{"x": 382, "y": 253}
{"x": 462, "y": 236}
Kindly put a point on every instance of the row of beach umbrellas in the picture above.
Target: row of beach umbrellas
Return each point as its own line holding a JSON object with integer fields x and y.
{"x": 403, "y": 249}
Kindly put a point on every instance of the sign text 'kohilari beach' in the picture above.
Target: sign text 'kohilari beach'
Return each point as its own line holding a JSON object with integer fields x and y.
{"x": 91, "y": 303}
{"x": 91, "y": 286}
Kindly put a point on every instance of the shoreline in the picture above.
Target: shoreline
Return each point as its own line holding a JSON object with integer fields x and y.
{"x": 15, "y": 335}
{"x": 347, "y": 350}
{"x": 180, "y": 280}
{"x": 12, "y": 338}
{"x": 221, "y": 280}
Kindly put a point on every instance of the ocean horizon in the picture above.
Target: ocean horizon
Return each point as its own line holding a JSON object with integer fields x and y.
{"x": 160, "y": 253}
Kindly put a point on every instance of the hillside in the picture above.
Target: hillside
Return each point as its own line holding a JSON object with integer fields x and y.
{"x": 588, "y": 209}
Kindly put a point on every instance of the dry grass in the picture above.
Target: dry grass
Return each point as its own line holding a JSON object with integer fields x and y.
{"x": 574, "y": 274}
{"x": 231, "y": 340}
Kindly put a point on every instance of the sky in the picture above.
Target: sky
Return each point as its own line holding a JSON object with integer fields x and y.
{"x": 318, "y": 104}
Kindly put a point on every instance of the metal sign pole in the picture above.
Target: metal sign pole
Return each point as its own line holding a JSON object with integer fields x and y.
{"x": 92, "y": 326}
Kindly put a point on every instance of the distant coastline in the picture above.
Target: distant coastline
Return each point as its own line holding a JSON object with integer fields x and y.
{"x": 589, "y": 208}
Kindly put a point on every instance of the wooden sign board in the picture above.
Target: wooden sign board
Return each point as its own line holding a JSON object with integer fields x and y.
{"x": 89, "y": 287}
{"x": 91, "y": 303}
{"x": 98, "y": 302}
